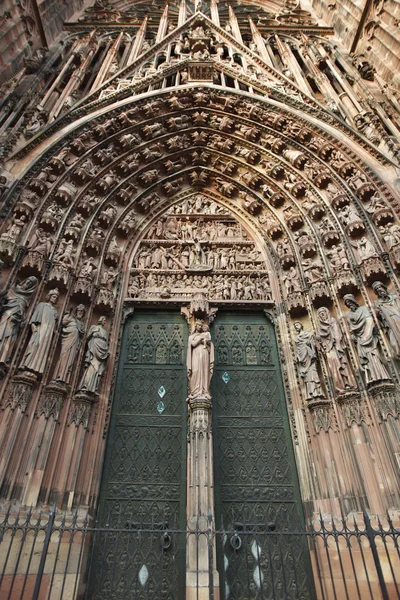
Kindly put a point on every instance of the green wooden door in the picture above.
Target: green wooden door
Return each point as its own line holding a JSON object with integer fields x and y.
{"x": 142, "y": 498}
{"x": 257, "y": 491}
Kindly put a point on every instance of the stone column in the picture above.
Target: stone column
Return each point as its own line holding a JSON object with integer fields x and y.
{"x": 202, "y": 581}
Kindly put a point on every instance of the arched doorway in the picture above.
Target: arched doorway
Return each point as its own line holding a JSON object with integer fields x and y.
{"x": 154, "y": 466}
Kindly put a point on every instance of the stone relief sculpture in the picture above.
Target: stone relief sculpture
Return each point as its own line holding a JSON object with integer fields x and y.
{"x": 97, "y": 353}
{"x": 200, "y": 361}
{"x": 71, "y": 335}
{"x": 388, "y": 311}
{"x": 363, "y": 332}
{"x": 43, "y": 323}
{"x": 194, "y": 253}
{"x": 306, "y": 358}
{"x": 365, "y": 249}
{"x": 332, "y": 345}
{"x": 13, "y": 315}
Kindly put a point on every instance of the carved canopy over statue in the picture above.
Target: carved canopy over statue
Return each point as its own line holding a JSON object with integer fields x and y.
{"x": 200, "y": 361}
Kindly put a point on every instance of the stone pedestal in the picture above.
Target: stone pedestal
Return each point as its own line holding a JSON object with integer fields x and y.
{"x": 201, "y": 574}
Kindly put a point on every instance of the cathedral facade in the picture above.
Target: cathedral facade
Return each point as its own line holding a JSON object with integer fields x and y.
{"x": 200, "y": 313}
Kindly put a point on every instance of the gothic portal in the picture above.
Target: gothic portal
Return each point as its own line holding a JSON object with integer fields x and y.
{"x": 200, "y": 314}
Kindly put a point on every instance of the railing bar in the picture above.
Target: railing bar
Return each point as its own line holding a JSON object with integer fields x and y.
{"x": 260, "y": 573}
{"x": 91, "y": 555}
{"x": 336, "y": 537}
{"x": 246, "y": 537}
{"x": 383, "y": 536}
{"x": 35, "y": 535}
{"x": 78, "y": 566}
{"x": 43, "y": 557}
{"x": 115, "y": 554}
{"x": 23, "y": 538}
{"x": 271, "y": 570}
{"x": 315, "y": 542}
{"x": 125, "y": 587}
{"x": 371, "y": 537}
{"x": 294, "y": 563}
{"x": 55, "y": 561}
{"x": 359, "y": 535}
{"x": 348, "y": 540}
{"x": 7, "y": 555}
{"x": 326, "y": 539}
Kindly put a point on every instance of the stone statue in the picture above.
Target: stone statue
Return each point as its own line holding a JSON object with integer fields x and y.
{"x": 365, "y": 248}
{"x": 306, "y": 358}
{"x": 363, "y": 333}
{"x": 96, "y": 357}
{"x": 43, "y": 323}
{"x": 13, "y": 315}
{"x": 72, "y": 331}
{"x": 388, "y": 310}
{"x": 200, "y": 361}
{"x": 332, "y": 345}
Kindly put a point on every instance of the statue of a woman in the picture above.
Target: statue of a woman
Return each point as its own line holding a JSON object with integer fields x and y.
{"x": 13, "y": 315}
{"x": 96, "y": 357}
{"x": 306, "y": 358}
{"x": 388, "y": 310}
{"x": 72, "y": 330}
{"x": 363, "y": 332}
{"x": 333, "y": 347}
{"x": 43, "y": 323}
{"x": 200, "y": 361}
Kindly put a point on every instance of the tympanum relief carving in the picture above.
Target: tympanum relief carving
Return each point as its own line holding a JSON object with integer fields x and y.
{"x": 196, "y": 246}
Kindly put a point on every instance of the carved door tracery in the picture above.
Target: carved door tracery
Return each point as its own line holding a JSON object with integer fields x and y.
{"x": 144, "y": 479}
{"x": 257, "y": 490}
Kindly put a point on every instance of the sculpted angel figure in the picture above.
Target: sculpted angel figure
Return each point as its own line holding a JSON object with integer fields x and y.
{"x": 200, "y": 361}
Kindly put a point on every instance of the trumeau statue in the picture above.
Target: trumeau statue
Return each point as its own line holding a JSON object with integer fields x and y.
{"x": 332, "y": 345}
{"x": 388, "y": 310}
{"x": 97, "y": 353}
{"x": 72, "y": 331}
{"x": 363, "y": 332}
{"x": 13, "y": 315}
{"x": 200, "y": 361}
{"x": 306, "y": 358}
{"x": 43, "y": 324}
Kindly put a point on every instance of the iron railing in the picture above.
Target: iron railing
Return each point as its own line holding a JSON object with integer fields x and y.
{"x": 49, "y": 556}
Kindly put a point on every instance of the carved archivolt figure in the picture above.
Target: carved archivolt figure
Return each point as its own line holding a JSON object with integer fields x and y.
{"x": 306, "y": 358}
{"x": 72, "y": 331}
{"x": 96, "y": 357}
{"x": 388, "y": 310}
{"x": 332, "y": 345}
{"x": 200, "y": 361}
{"x": 43, "y": 323}
{"x": 13, "y": 315}
{"x": 363, "y": 332}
